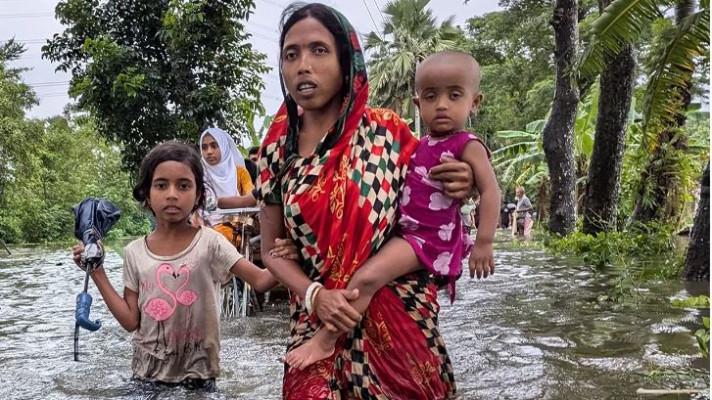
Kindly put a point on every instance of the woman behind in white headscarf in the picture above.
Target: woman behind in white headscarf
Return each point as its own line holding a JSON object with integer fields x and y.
{"x": 228, "y": 182}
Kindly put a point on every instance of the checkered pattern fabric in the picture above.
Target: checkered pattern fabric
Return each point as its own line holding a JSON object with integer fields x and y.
{"x": 363, "y": 382}
{"x": 425, "y": 314}
{"x": 340, "y": 206}
{"x": 307, "y": 188}
{"x": 375, "y": 169}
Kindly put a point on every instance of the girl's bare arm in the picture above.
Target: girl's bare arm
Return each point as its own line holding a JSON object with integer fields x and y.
{"x": 482, "y": 256}
{"x": 125, "y": 309}
{"x": 395, "y": 259}
{"x": 261, "y": 279}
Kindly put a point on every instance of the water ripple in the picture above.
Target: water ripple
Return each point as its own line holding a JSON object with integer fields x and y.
{"x": 534, "y": 330}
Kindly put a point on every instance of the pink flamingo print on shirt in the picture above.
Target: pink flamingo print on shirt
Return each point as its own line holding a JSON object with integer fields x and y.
{"x": 157, "y": 308}
{"x": 185, "y": 297}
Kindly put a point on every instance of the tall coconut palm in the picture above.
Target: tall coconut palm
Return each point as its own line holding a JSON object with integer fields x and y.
{"x": 668, "y": 89}
{"x": 623, "y": 22}
{"x": 559, "y": 130}
{"x": 410, "y": 33}
{"x": 603, "y": 184}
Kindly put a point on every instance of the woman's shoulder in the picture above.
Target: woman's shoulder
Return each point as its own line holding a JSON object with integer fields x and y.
{"x": 390, "y": 120}
{"x": 384, "y": 116}
{"x": 277, "y": 128}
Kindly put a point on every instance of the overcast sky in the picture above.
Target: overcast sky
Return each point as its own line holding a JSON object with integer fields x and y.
{"x": 32, "y": 21}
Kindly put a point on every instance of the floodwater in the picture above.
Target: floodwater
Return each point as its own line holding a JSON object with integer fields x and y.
{"x": 537, "y": 329}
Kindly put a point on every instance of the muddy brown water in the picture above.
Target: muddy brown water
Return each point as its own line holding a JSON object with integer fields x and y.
{"x": 535, "y": 330}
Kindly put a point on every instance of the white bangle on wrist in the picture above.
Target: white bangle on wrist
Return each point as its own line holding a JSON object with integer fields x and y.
{"x": 308, "y": 296}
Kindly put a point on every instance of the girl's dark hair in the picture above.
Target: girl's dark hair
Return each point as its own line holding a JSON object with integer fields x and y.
{"x": 169, "y": 151}
{"x": 253, "y": 150}
{"x": 296, "y": 12}
{"x": 251, "y": 169}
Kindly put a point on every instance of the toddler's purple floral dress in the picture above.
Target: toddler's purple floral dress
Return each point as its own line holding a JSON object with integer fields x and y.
{"x": 430, "y": 220}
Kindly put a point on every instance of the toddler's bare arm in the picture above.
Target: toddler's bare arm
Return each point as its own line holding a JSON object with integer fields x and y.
{"x": 482, "y": 258}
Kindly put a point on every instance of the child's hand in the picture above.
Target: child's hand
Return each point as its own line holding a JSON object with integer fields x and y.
{"x": 78, "y": 256}
{"x": 285, "y": 248}
{"x": 481, "y": 260}
{"x": 77, "y": 252}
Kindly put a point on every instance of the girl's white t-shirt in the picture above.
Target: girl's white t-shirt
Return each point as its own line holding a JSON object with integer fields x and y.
{"x": 178, "y": 298}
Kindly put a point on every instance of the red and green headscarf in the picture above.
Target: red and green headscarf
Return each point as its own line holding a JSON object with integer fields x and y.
{"x": 354, "y": 100}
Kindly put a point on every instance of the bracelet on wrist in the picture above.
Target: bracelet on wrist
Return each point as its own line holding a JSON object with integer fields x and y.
{"x": 313, "y": 298}
{"x": 308, "y": 296}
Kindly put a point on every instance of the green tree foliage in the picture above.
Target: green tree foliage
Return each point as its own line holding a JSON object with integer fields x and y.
{"x": 64, "y": 161}
{"x": 514, "y": 48}
{"x": 674, "y": 60}
{"x": 606, "y": 249}
{"x": 521, "y": 160}
{"x": 152, "y": 70}
{"x": 15, "y": 98}
{"x": 410, "y": 33}
{"x": 48, "y": 166}
{"x": 684, "y": 167}
{"x": 676, "y": 55}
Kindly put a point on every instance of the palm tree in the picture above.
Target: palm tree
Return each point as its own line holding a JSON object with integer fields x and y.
{"x": 668, "y": 89}
{"x": 623, "y": 22}
{"x": 410, "y": 33}
{"x": 602, "y": 188}
{"x": 559, "y": 130}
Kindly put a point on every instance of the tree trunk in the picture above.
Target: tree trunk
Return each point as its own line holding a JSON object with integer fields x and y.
{"x": 559, "y": 129}
{"x": 658, "y": 197}
{"x": 604, "y": 173}
{"x": 697, "y": 261}
{"x": 542, "y": 209}
{"x": 661, "y": 201}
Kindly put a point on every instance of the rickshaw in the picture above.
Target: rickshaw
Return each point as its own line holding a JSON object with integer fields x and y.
{"x": 237, "y": 298}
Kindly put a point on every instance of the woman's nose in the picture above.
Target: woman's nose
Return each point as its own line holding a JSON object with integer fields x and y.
{"x": 305, "y": 63}
{"x": 172, "y": 192}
